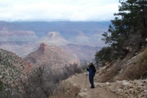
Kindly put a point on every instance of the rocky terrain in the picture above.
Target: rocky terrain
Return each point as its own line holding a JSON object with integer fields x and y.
{"x": 114, "y": 82}
{"x": 111, "y": 81}
{"x": 127, "y": 89}
{"x": 13, "y": 69}
{"x": 117, "y": 89}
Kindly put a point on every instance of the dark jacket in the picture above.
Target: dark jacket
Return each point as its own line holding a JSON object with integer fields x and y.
{"x": 91, "y": 69}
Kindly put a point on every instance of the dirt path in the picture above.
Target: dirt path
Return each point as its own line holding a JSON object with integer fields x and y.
{"x": 82, "y": 81}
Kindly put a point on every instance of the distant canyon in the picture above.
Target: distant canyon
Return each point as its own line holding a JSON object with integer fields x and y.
{"x": 82, "y": 39}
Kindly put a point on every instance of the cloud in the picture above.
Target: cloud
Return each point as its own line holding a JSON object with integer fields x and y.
{"x": 77, "y": 10}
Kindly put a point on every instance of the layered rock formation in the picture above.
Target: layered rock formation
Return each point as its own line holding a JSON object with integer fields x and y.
{"x": 52, "y": 56}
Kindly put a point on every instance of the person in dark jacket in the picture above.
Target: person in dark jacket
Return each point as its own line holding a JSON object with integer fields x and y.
{"x": 91, "y": 69}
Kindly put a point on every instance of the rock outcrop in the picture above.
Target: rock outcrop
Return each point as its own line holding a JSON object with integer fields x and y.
{"x": 52, "y": 56}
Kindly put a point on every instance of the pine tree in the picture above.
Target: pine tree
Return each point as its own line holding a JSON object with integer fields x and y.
{"x": 130, "y": 20}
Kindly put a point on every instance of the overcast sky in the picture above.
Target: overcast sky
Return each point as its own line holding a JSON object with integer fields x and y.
{"x": 49, "y": 10}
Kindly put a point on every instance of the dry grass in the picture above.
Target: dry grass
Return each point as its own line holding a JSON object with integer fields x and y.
{"x": 109, "y": 74}
{"x": 142, "y": 63}
{"x": 137, "y": 69}
{"x": 66, "y": 90}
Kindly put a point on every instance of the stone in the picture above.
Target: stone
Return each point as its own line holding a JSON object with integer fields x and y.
{"x": 107, "y": 83}
{"x": 125, "y": 83}
{"x": 99, "y": 84}
{"x": 145, "y": 93}
{"x": 83, "y": 90}
{"x": 75, "y": 84}
{"x": 119, "y": 90}
{"x": 83, "y": 95}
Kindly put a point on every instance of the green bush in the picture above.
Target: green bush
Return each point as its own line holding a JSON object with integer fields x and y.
{"x": 104, "y": 55}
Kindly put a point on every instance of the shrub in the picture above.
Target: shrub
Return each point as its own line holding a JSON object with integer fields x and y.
{"x": 43, "y": 81}
{"x": 39, "y": 84}
{"x": 104, "y": 55}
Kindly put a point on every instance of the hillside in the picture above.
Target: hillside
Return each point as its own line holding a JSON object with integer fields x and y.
{"x": 33, "y": 77}
{"x": 12, "y": 70}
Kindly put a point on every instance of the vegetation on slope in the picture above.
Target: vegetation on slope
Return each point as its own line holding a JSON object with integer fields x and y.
{"x": 11, "y": 72}
{"x": 127, "y": 38}
{"x": 37, "y": 82}
{"x": 127, "y": 33}
{"x": 42, "y": 82}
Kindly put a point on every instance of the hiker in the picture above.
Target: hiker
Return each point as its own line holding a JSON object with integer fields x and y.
{"x": 91, "y": 69}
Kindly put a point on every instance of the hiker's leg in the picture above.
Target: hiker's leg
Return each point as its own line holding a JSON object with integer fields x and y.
{"x": 91, "y": 81}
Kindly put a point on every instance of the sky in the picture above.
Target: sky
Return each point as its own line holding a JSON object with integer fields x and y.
{"x": 55, "y": 10}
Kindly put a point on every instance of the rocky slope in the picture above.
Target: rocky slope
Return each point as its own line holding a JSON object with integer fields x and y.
{"x": 13, "y": 69}
{"x": 129, "y": 68}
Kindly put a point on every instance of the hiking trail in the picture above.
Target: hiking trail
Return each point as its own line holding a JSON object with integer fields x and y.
{"x": 82, "y": 81}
